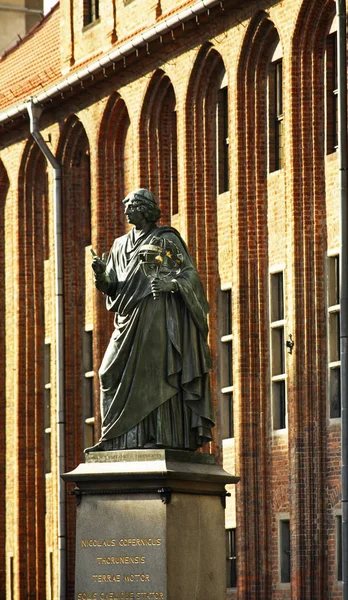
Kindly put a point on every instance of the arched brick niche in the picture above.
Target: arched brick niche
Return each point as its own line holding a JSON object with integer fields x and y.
{"x": 158, "y": 144}
{"x": 33, "y": 249}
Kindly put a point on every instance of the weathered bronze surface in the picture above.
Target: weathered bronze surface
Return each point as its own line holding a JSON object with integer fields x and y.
{"x": 154, "y": 377}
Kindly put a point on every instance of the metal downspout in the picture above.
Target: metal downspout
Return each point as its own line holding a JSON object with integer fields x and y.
{"x": 34, "y": 112}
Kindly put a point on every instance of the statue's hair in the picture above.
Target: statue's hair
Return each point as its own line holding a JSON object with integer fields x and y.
{"x": 145, "y": 202}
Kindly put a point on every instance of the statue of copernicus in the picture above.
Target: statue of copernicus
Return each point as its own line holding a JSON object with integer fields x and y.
{"x": 154, "y": 377}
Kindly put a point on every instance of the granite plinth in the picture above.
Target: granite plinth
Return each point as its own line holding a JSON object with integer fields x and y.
{"x": 150, "y": 525}
{"x": 149, "y": 467}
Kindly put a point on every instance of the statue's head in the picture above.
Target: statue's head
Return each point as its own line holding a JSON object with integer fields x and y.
{"x": 145, "y": 202}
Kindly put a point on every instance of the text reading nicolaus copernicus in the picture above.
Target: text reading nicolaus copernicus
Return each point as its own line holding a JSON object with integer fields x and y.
{"x": 109, "y": 568}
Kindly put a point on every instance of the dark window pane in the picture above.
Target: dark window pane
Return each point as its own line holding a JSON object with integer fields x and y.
{"x": 277, "y": 297}
{"x": 86, "y": 201}
{"x": 47, "y": 452}
{"x": 339, "y": 548}
{"x": 279, "y": 115}
{"x": 334, "y": 278}
{"x": 47, "y": 408}
{"x": 279, "y": 404}
{"x": 279, "y": 138}
{"x": 226, "y": 312}
{"x": 11, "y": 578}
{"x": 331, "y": 93}
{"x": 174, "y": 165}
{"x": 87, "y": 351}
{"x": 284, "y": 542}
{"x": 88, "y": 397}
{"x": 278, "y": 354}
{"x": 335, "y": 119}
{"x": 51, "y": 573}
{"x": 227, "y": 423}
{"x": 337, "y": 278}
{"x": 47, "y": 364}
{"x": 333, "y": 281}
{"x": 275, "y": 82}
{"x": 45, "y": 217}
{"x": 335, "y": 393}
{"x": 231, "y": 558}
{"x": 91, "y": 11}
{"x": 279, "y": 88}
{"x": 226, "y": 364}
{"x": 222, "y": 140}
{"x": 334, "y": 336}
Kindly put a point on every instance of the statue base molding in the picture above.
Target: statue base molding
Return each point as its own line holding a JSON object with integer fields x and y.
{"x": 150, "y": 525}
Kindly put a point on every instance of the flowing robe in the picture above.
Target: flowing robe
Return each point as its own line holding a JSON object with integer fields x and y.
{"x": 155, "y": 373}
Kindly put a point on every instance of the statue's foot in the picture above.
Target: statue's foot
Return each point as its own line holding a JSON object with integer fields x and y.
{"x": 153, "y": 445}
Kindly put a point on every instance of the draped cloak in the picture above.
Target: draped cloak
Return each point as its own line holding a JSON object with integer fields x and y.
{"x": 155, "y": 371}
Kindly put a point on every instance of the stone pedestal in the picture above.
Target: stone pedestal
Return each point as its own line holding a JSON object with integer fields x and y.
{"x": 150, "y": 525}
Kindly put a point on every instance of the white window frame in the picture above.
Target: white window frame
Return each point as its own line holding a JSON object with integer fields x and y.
{"x": 333, "y": 310}
{"x": 226, "y": 338}
{"x": 277, "y": 325}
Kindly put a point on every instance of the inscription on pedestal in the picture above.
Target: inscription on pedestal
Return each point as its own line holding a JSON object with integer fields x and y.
{"x": 120, "y": 548}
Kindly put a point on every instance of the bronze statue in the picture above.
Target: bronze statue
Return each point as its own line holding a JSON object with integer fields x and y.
{"x": 154, "y": 377}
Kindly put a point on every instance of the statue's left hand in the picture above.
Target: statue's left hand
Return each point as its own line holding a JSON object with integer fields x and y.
{"x": 159, "y": 285}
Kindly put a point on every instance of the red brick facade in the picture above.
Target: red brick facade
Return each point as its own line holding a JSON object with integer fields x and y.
{"x": 258, "y": 210}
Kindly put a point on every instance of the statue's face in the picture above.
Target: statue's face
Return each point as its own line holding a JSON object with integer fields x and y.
{"x": 134, "y": 216}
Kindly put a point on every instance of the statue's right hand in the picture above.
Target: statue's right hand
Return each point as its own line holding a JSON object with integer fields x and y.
{"x": 98, "y": 264}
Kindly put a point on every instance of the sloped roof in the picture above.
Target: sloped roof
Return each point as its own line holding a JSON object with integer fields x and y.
{"x": 33, "y": 63}
{"x": 32, "y": 68}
